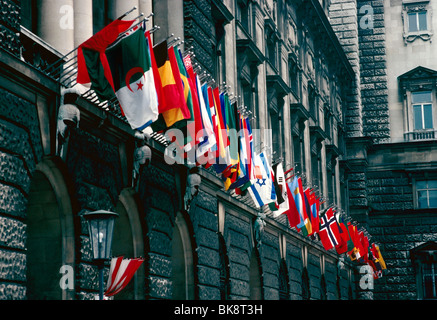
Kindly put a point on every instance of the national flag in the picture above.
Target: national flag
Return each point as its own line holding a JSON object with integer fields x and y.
{"x": 92, "y": 64}
{"x": 162, "y": 101}
{"x": 357, "y": 251}
{"x": 292, "y": 212}
{"x": 281, "y": 190}
{"x": 134, "y": 85}
{"x": 376, "y": 266}
{"x": 192, "y": 81}
{"x": 315, "y": 209}
{"x": 261, "y": 189}
{"x": 308, "y": 230}
{"x": 328, "y": 232}
{"x": 362, "y": 238}
{"x": 215, "y": 124}
{"x": 296, "y": 193}
{"x": 243, "y": 178}
{"x": 305, "y": 223}
{"x": 346, "y": 243}
{"x": 206, "y": 136}
{"x": 377, "y": 253}
{"x": 172, "y": 112}
{"x": 121, "y": 272}
{"x": 231, "y": 129}
{"x": 312, "y": 211}
{"x": 249, "y": 149}
{"x": 222, "y": 159}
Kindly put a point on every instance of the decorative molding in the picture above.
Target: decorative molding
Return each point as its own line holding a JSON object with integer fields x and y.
{"x": 416, "y": 6}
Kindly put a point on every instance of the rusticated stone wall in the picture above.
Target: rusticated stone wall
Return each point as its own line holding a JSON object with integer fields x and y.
{"x": 10, "y": 26}
{"x": 203, "y": 214}
{"x": 158, "y": 193}
{"x": 199, "y": 31}
{"x": 94, "y": 167}
{"x": 374, "y": 92}
{"x": 398, "y": 228}
{"x": 20, "y": 151}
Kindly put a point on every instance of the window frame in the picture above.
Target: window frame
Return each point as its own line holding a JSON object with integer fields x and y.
{"x": 419, "y": 79}
{"x": 416, "y": 192}
{"x": 415, "y": 7}
{"x": 433, "y": 265}
{"x": 421, "y": 256}
{"x": 422, "y": 111}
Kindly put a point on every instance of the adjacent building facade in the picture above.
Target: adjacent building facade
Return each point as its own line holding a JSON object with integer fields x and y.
{"x": 342, "y": 102}
{"x": 393, "y": 191}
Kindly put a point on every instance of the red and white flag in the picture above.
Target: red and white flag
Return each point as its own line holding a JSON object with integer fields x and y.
{"x": 121, "y": 272}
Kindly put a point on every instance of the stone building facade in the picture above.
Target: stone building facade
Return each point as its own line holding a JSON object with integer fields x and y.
{"x": 394, "y": 193}
{"x": 305, "y": 69}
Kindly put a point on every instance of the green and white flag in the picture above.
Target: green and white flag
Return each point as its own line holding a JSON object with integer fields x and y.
{"x": 134, "y": 85}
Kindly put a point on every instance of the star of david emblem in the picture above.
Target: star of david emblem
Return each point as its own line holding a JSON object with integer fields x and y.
{"x": 263, "y": 183}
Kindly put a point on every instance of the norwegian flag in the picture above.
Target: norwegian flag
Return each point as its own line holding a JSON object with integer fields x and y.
{"x": 121, "y": 272}
{"x": 329, "y": 233}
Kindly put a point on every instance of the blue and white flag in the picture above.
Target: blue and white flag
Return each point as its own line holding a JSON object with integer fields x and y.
{"x": 262, "y": 190}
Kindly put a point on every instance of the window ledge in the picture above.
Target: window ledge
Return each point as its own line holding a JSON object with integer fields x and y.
{"x": 412, "y": 36}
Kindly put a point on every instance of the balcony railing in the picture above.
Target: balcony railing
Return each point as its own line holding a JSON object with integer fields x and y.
{"x": 420, "y": 135}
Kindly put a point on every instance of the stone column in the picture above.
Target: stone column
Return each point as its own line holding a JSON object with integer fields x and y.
{"x": 118, "y": 8}
{"x": 231, "y": 51}
{"x": 169, "y": 16}
{"x": 83, "y": 21}
{"x": 56, "y": 24}
{"x": 146, "y": 7}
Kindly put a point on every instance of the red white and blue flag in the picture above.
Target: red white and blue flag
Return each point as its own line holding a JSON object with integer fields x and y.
{"x": 328, "y": 232}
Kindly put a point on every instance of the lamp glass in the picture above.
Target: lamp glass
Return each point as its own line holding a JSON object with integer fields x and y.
{"x": 101, "y": 227}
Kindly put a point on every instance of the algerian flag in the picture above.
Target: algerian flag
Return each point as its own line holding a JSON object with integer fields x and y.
{"x": 134, "y": 85}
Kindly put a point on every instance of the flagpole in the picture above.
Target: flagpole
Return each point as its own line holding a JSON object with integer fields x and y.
{"x": 126, "y": 13}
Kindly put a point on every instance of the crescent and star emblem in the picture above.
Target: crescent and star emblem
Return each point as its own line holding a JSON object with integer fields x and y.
{"x": 129, "y": 75}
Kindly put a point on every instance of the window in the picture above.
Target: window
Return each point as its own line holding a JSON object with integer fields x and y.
{"x": 422, "y": 110}
{"x": 424, "y": 262}
{"x": 417, "y": 17}
{"x": 417, "y": 21}
{"x": 284, "y": 288}
{"x": 419, "y": 95}
{"x": 224, "y": 269}
{"x": 429, "y": 280}
{"x": 426, "y": 194}
{"x": 243, "y": 14}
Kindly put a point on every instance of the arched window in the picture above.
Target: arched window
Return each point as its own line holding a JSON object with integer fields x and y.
{"x": 255, "y": 278}
{"x": 284, "y": 288}
{"x": 50, "y": 236}
{"x": 306, "y": 293}
{"x": 323, "y": 288}
{"x": 128, "y": 242}
{"x": 182, "y": 275}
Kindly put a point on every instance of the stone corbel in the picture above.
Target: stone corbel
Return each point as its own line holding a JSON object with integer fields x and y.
{"x": 68, "y": 118}
{"x": 258, "y": 229}
{"x": 192, "y": 188}
{"x": 142, "y": 157}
